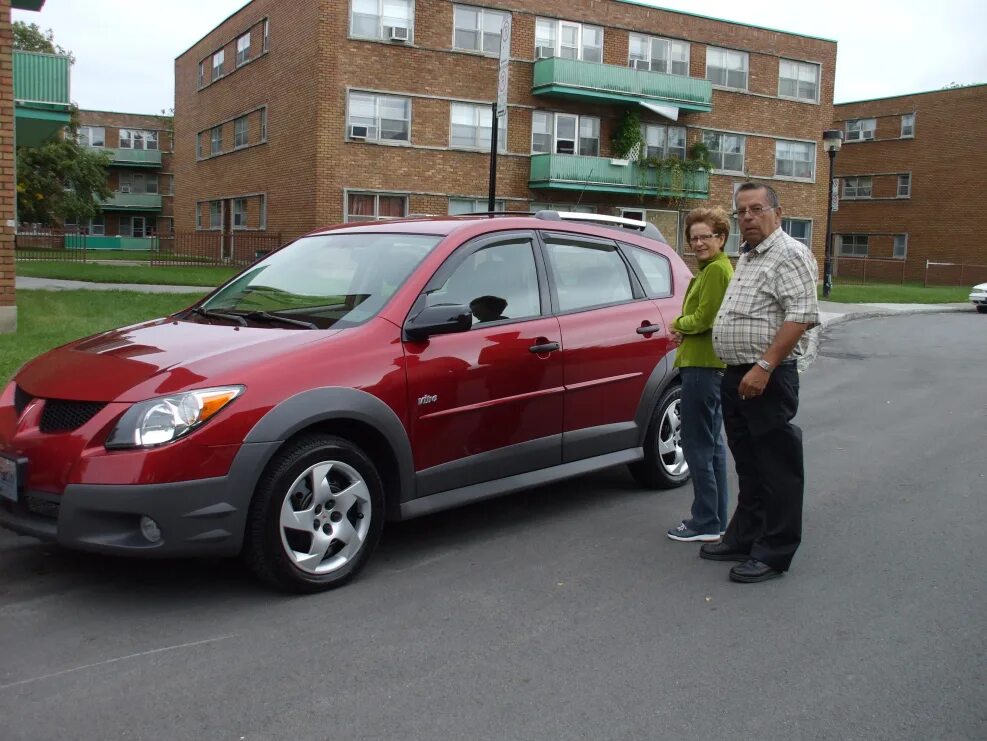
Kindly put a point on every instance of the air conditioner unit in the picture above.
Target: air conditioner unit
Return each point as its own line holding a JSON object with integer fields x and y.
{"x": 124, "y": 188}
{"x": 868, "y": 134}
{"x": 642, "y": 64}
{"x": 359, "y": 132}
{"x": 544, "y": 52}
{"x": 399, "y": 33}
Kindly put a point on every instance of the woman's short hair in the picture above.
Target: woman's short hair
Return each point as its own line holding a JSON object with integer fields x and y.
{"x": 716, "y": 218}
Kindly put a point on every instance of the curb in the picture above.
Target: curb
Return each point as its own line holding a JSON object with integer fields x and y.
{"x": 878, "y": 313}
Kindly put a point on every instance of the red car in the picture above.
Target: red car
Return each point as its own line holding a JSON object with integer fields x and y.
{"x": 363, "y": 373}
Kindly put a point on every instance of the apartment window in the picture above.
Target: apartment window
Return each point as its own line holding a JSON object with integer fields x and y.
{"x": 860, "y": 129}
{"x": 386, "y": 117}
{"x": 215, "y": 214}
{"x": 853, "y": 245}
{"x": 477, "y": 29}
{"x": 267, "y": 29}
{"x": 658, "y": 54}
{"x": 202, "y": 74}
{"x": 726, "y": 67}
{"x": 900, "y": 249}
{"x": 469, "y": 127}
{"x": 726, "y": 151}
{"x": 151, "y": 184}
{"x": 380, "y": 19}
{"x": 795, "y": 160}
{"x": 239, "y": 213}
{"x": 800, "y": 229}
{"x": 458, "y": 206}
{"x": 240, "y": 132}
{"x": 217, "y": 64}
{"x": 562, "y": 207}
{"x": 137, "y": 226}
{"x": 663, "y": 141}
{"x": 243, "y": 49}
{"x": 137, "y": 182}
{"x": 732, "y": 246}
{"x": 216, "y": 140}
{"x": 798, "y": 80}
{"x": 138, "y": 139}
{"x": 905, "y": 185}
{"x": 97, "y": 227}
{"x": 568, "y": 40}
{"x": 263, "y": 124}
{"x": 907, "y": 125}
{"x": 375, "y": 206}
{"x": 858, "y": 187}
{"x": 201, "y": 144}
{"x": 92, "y": 136}
{"x": 565, "y": 133}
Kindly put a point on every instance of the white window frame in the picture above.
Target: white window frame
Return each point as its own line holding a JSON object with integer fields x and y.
{"x": 97, "y": 226}
{"x": 536, "y": 206}
{"x": 727, "y": 54}
{"x": 242, "y": 50}
{"x": 861, "y": 129}
{"x": 202, "y": 73}
{"x": 786, "y": 224}
{"x": 646, "y": 132}
{"x": 267, "y": 35}
{"x": 668, "y": 64}
{"x": 474, "y": 204}
{"x": 215, "y": 215}
{"x": 238, "y": 220}
{"x": 86, "y": 136}
{"x": 382, "y": 31}
{"x": 218, "y": 60}
{"x": 548, "y": 32}
{"x": 376, "y": 126}
{"x": 907, "y": 125}
{"x": 376, "y": 196}
{"x": 479, "y": 112}
{"x": 552, "y": 117}
{"x": 263, "y": 124}
{"x": 780, "y": 145}
{"x": 904, "y": 247}
{"x": 904, "y": 179}
{"x": 802, "y": 70}
{"x": 858, "y": 187}
{"x": 481, "y": 20}
{"x": 241, "y": 132}
{"x": 215, "y": 140}
{"x": 714, "y": 142}
{"x": 855, "y": 241}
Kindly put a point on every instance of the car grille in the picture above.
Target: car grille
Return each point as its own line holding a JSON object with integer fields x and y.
{"x": 21, "y": 399}
{"x": 66, "y": 416}
{"x": 42, "y": 507}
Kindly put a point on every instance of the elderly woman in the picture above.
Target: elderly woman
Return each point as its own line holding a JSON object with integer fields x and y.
{"x": 701, "y": 370}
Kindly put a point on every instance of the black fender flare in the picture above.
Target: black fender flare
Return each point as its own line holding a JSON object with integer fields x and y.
{"x": 664, "y": 375}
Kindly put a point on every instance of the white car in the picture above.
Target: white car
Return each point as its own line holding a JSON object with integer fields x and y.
{"x": 978, "y": 295}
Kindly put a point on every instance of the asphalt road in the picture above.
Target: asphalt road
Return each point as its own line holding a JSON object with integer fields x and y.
{"x": 564, "y": 612}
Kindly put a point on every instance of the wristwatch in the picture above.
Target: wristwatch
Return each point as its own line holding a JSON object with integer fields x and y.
{"x": 765, "y": 365}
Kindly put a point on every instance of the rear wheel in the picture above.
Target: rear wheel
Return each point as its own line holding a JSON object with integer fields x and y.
{"x": 982, "y": 309}
{"x": 664, "y": 465}
{"x": 316, "y": 516}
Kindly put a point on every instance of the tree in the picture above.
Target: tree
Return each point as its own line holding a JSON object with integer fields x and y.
{"x": 32, "y": 38}
{"x": 61, "y": 179}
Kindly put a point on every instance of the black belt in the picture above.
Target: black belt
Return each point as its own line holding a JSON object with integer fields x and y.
{"x": 748, "y": 366}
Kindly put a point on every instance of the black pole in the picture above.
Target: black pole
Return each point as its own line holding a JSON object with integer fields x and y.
{"x": 828, "y": 262}
{"x": 492, "y": 189}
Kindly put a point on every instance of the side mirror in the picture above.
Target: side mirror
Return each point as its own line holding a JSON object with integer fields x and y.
{"x": 442, "y": 319}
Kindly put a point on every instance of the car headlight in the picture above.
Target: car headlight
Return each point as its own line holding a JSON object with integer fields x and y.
{"x": 164, "y": 420}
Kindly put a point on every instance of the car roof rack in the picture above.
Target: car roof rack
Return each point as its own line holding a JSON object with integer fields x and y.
{"x": 617, "y": 222}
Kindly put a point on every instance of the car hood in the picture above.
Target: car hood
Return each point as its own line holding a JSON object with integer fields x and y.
{"x": 158, "y": 357}
{"x": 980, "y": 287}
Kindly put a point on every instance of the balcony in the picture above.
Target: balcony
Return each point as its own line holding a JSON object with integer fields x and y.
{"x": 135, "y": 157}
{"x": 608, "y": 83}
{"x": 133, "y": 202}
{"x": 41, "y": 96}
{"x": 600, "y": 174}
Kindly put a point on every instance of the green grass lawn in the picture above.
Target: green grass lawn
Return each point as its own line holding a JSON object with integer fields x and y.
{"x": 138, "y": 255}
{"x": 893, "y": 293}
{"x": 47, "y": 319}
{"x": 209, "y": 277}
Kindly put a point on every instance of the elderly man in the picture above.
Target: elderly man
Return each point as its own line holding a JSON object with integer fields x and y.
{"x": 759, "y": 333}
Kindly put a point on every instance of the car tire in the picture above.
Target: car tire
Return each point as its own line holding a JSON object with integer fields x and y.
{"x": 316, "y": 515}
{"x": 663, "y": 466}
{"x": 982, "y": 309}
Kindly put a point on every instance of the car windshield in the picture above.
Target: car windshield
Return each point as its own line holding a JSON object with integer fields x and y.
{"x": 327, "y": 280}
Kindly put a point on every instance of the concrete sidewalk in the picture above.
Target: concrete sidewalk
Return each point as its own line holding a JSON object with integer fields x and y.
{"x": 51, "y": 284}
{"x": 831, "y": 313}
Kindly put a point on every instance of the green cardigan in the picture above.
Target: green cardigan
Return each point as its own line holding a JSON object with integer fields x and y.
{"x": 702, "y": 302}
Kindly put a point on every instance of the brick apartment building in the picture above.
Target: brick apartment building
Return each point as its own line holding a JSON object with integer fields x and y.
{"x": 140, "y": 176}
{"x": 289, "y": 116}
{"x": 913, "y": 175}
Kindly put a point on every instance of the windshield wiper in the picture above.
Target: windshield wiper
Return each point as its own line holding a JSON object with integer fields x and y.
{"x": 277, "y": 318}
{"x": 210, "y": 314}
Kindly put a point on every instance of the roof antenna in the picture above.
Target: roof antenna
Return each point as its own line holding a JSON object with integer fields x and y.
{"x": 588, "y": 177}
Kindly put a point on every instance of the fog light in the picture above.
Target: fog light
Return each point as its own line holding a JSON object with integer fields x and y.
{"x": 150, "y": 529}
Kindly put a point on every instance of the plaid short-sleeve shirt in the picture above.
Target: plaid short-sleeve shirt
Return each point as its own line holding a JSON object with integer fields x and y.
{"x": 773, "y": 283}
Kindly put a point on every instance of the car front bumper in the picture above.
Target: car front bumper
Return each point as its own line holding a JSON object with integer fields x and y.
{"x": 979, "y": 298}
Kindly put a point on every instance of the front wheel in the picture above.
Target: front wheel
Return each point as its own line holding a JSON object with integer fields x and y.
{"x": 982, "y": 309}
{"x": 316, "y": 516}
{"x": 664, "y": 465}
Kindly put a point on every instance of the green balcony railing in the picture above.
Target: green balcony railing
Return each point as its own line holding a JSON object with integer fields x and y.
{"x": 609, "y": 83}
{"x": 41, "y": 96}
{"x": 133, "y": 202}
{"x": 574, "y": 172}
{"x": 135, "y": 157}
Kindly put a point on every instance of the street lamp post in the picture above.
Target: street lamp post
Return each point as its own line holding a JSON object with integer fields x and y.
{"x": 832, "y": 141}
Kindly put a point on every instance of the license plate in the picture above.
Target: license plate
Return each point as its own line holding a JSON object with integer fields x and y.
{"x": 11, "y": 477}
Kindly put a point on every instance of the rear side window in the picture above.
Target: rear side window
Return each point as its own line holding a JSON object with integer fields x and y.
{"x": 654, "y": 270}
{"x": 587, "y": 274}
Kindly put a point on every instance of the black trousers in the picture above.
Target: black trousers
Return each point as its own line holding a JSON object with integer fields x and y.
{"x": 767, "y": 450}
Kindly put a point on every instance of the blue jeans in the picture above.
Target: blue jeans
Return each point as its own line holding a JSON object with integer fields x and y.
{"x": 702, "y": 444}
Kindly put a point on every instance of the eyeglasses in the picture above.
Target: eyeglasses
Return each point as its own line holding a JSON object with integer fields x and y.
{"x": 754, "y": 211}
{"x": 702, "y": 238}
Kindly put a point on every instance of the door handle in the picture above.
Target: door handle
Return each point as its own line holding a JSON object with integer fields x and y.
{"x": 648, "y": 329}
{"x": 544, "y": 347}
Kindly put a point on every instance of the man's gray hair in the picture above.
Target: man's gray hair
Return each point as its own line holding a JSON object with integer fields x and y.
{"x": 772, "y": 196}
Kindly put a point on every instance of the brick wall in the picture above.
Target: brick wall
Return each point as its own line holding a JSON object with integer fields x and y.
{"x": 943, "y": 217}
{"x": 8, "y": 305}
{"x": 307, "y": 165}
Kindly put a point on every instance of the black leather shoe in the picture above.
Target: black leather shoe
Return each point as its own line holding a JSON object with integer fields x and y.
{"x": 753, "y": 571}
{"x": 722, "y": 552}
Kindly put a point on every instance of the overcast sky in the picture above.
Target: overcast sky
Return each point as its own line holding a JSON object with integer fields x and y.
{"x": 125, "y": 49}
